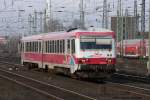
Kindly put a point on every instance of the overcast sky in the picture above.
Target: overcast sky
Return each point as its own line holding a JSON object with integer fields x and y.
{"x": 11, "y": 24}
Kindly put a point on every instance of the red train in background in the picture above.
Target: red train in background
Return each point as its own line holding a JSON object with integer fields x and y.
{"x": 77, "y": 52}
{"x": 133, "y": 48}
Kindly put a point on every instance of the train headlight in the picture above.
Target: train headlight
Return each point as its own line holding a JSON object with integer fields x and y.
{"x": 83, "y": 60}
{"x": 109, "y": 61}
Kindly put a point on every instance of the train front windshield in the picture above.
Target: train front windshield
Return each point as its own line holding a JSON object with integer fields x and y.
{"x": 95, "y": 43}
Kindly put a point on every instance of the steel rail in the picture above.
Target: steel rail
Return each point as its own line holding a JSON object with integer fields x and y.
{"x": 44, "y": 83}
{"x": 135, "y": 77}
{"x": 28, "y": 86}
{"x": 131, "y": 87}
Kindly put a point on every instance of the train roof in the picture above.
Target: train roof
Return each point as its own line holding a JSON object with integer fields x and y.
{"x": 133, "y": 42}
{"x": 64, "y": 34}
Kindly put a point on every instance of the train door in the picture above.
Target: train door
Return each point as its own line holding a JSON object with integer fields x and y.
{"x": 71, "y": 54}
{"x": 41, "y": 52}
{"x": 70, "y": 46}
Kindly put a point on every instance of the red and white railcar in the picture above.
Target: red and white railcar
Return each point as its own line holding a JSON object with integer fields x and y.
{"x": 77, "y": 52}
{"x": 132, "y": 48}
{"x": 3, "y": 41}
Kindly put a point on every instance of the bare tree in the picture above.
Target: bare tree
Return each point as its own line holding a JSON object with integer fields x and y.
{"x": 55, "y": 25}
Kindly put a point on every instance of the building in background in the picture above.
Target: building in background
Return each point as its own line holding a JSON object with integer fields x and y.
{"x": 128, "y": 27}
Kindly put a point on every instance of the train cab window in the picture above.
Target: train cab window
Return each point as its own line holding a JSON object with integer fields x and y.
{"x": 68, "y": 46}
{"x": 72, "y": 46}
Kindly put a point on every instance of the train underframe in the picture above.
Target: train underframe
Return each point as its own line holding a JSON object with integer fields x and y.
{"x": 96, "y": 71}
{"x": 83, "y": 71}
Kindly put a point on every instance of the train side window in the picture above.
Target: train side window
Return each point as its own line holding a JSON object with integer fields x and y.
{"x": 33, "y": 46}
{"x": 63, "y": 46}
{"x": 36, "y": 47}
{"x": 72, "y": 46}
{"x": 39, "y": 47}
{"x": 49, "y": 46}
{"x": 21, "y": 47}
{"x": 46, "y": 46}
{"x": 68, "y": 46}
{"x": 60, "y": 46}
{"x": 52, "y": 46}
{"x": 25, "y": 46}
{"x": 55, "y": 47}
{"x": 29, "y": 46}
{"x": 58, "y": 49}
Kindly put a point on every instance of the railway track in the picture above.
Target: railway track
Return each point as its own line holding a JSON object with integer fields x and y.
{"x": 134, "y": 78}
{"x": 62, "y": 94}
{"x": 55, "y": 92}
{"x": 131, "y": 89}
{"x": 132, "y": 84}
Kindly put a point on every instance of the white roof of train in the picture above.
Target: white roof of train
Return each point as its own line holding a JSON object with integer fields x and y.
{"x": 62, "y": 33}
